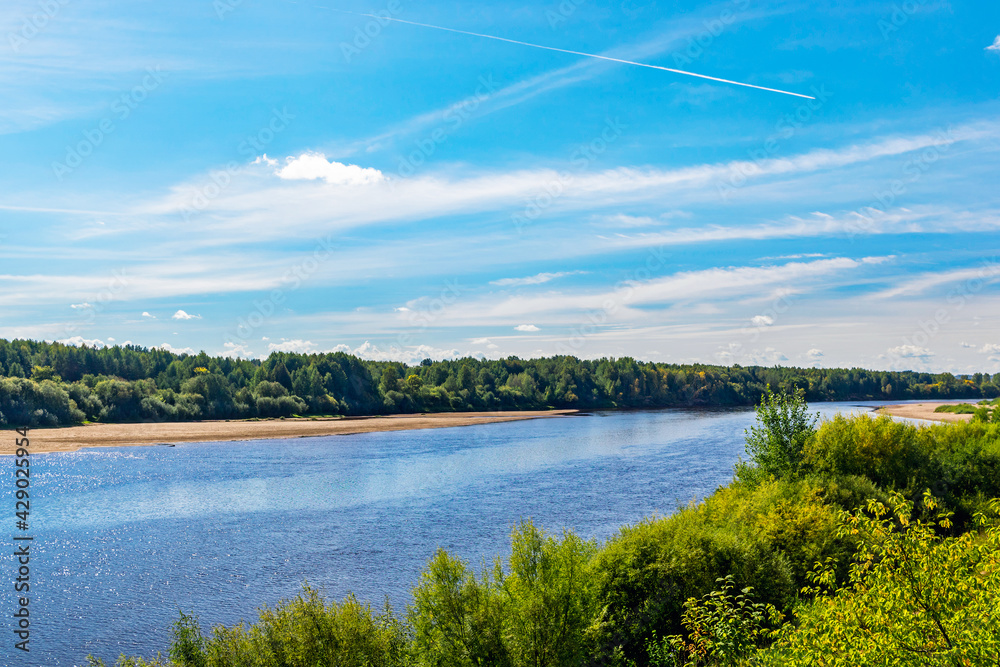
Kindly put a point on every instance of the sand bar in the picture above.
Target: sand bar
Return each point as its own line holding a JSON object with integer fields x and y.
{"x": 72, "y": 438}
{"x": 923, "y": 411}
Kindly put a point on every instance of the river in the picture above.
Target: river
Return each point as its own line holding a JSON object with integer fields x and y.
{"x": 126, "y": 537}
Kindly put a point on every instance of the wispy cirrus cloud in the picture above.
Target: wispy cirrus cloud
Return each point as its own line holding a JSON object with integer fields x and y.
{"x": 727, "y": 284}
{"x": 256, "y": 197}
{"x": 913, "y": 286}
{"x": 537, "y": 279}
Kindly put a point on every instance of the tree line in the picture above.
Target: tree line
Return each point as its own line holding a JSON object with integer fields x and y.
{"x": 48, "y": 384}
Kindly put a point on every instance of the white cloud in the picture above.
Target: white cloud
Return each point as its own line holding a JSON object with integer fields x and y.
{"x": 537, "y": 279}
{"x": 237, "y": 351}
{"x": 252, "y": 202}
{"x": 526, "y": 327}
{"x": 990, "y": 348}
{"x": 762, "y": 320}
{"x": 79, "y": 341}
{"x": 175, "y": 350}
{"x": 181, "y": 315}
{"x": 684, "y": 287}
{"x": 621, "y": 220}
{"x": 312, "y": 166}
{"x": 75, "y": 306}
{"x": 110, "y": 339}
{"x": 145, "y": 314}
{"x": 967, "y": 346}
{"x": 973, "y": 278}
{"x": 803, "y": 255}
{"x": 863, "y": 221}
{"x": 910, "y": 352}
{"x": 296, "y": 345}
{"x": 408, "y": 355}
{"x": 995, "y": 46}
{"x": 766, "y": 357}
{"x": 815, "y": 352}
{"x": 264, "y": 159}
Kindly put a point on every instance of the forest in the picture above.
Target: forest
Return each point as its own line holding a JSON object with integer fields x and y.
{"x": 52, "y": 384}
{"x": 856, "y": 541}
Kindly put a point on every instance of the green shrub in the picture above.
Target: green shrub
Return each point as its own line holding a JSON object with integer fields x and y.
{"x": 959, "y": 463}
{"x": 533, "y": 615}
{"x": 959, "y": 409}
{"x": 885, "y": 451}
{"x": 914, "y": 597}
{"x": 28, "y": 403}
{"x": 723, "y": 628}
{"x": 302, "y": 632}
{"x": 766, "y": 537}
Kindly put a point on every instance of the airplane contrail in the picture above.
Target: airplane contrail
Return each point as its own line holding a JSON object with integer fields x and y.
{"x": 575, "y": 53}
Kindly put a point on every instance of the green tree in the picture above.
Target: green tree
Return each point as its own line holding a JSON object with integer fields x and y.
{"x": 39, "y": 373}
{"x": 457, "y": 620}
{"x": 414, "y": 383}
{"x": 281, "y": 375}
{"x": 466, "y": 380}
{"x": 551, "y": 597}
{"x": 307, "y": 382}
{"x": 389, "y": 380}
{"x": 775, "y": 443}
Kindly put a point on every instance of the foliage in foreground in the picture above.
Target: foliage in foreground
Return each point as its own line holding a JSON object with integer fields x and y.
{"x": 914, "y": 598}
{"x": 723, "y": 628}
{"x": 302, "y": 632}
{"x": 533, "y": 615}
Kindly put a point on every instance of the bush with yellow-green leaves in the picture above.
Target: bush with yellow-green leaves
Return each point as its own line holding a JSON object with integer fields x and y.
{"x": 913, "y": 598}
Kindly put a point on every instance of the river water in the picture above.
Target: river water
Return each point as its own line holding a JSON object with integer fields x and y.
{"x": 125, "y": 537}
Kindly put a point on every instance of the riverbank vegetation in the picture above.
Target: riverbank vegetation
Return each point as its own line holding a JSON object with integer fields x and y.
{"x": 983, "y": 411}
{"x": 856, "y": 541}
{"x": 51, "y": 384}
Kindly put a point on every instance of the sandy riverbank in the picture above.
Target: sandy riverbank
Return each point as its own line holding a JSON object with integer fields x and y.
{"x": 923, "y": 411}
{"x": 72, "y": 438}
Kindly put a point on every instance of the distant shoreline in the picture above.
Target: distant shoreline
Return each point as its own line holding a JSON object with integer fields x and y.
{"x": 923, "y": 411}
{"x": 74, "y": 438}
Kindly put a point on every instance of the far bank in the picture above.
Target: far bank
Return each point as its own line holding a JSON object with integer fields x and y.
{"x": 72, "y": 438}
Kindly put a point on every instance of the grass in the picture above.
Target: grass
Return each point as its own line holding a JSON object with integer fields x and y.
{"x": 960, "y": 409}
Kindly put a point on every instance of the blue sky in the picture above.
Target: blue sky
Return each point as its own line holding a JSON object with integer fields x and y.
{"x": 240, "y": 177}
